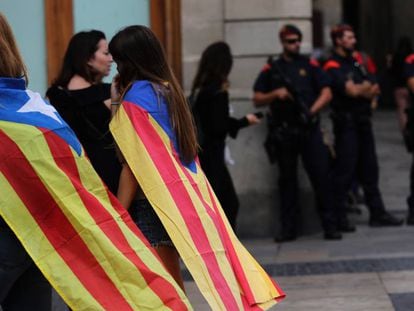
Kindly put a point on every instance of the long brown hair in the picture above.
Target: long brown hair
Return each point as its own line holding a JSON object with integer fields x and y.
{"x": 139, "y": 56}
{"x": 11, "y": 63}
{"x": 214, "y": 66}
{"x": 81, "y": 48}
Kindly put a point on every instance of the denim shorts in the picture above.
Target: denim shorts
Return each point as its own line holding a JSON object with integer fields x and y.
{"x": 148, "y": 222}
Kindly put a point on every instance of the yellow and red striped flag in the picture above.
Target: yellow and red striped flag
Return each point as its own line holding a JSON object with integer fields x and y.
{"x": 226, "y": 274}
{"x": 77, "y": 233}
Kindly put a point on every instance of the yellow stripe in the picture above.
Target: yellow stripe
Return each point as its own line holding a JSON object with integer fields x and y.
{"x": 14, "y": 212}
{"x": 154, "y": 187}
{"x": 121, "y": 271}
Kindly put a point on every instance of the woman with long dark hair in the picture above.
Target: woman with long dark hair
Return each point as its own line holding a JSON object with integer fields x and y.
{"x": 163, "y": 186}
{"x": 84, "y": 101}
{"x": 210, "y": 98}
{"x": 144, "y": 72}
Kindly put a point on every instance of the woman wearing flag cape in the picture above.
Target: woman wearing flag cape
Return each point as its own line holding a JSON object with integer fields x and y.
{"x": 154, "y": 131}
{"x": 57, "y": 218}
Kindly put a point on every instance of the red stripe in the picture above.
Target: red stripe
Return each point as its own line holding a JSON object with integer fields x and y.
{"x": 57, "y": 228}
{"x": 165, "y": 290}
{"x": 166, "y": 168}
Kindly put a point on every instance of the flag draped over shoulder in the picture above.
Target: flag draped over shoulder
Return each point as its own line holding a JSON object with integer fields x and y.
{"x": 226, "y": 274}
{"x": 77, "y": 233}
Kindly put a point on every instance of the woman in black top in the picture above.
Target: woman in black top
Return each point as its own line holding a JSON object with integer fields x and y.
{"x": 84, "y": 102}
{"x": 210, "y": 99}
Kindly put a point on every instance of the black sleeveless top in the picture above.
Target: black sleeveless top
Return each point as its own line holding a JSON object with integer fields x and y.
{"x": 86, "y": 113}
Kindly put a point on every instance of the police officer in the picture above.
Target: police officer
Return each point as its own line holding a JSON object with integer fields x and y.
{"x": 296, "y": 89}
{"x": 354, "y": 89}
{"x": 409, "y": 131}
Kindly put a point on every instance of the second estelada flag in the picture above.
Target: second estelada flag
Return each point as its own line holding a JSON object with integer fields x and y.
{"x": 226, "y": 274}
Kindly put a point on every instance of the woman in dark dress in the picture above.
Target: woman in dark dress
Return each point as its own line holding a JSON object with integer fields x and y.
{"x": 210, "y": 99}
{"x": 84, "y": 102}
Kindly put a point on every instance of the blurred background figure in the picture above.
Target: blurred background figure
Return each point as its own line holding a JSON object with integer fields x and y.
{"x": 84, "y": 101}
{"x": 367, "y": 67}
{"x": 210, "y": 104}
{"x": 398, "y": 79}
{"x": 354, "y": 90}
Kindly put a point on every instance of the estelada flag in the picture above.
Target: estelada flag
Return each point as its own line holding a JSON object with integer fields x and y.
{"x": 76, "y": 232}
{"x": 226, "y": 274}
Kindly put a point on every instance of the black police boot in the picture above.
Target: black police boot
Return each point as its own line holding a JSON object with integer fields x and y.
{"x": 332, "y": 235}
{"x": 385, "y": 220}
{"x": 346, "y": 226}
{"x": 286, "y": 236}
{"x": 410, "y": 218}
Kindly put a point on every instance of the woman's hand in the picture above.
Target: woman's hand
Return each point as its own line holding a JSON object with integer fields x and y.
{"x": 251, "y": 117}
{"x": 115, "y": 96}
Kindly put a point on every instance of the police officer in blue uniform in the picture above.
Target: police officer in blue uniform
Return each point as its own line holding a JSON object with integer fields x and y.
{"x": 295, "y": 89}
{"x": 409, "y": 131}
{"x": 354, "y": 89}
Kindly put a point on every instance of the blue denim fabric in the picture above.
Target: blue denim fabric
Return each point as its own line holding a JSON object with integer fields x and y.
{"x": 22, "y": 285}
{"x": 148, "y": 222}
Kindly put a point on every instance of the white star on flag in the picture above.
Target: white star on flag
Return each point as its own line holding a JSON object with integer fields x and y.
{"x": 37, "y": 104}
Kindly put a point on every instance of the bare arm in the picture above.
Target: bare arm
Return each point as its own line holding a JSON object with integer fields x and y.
{"x": 325, "y": 96}
{"x": 263, "y": 99}
{"x": 128, "y": 186}
{"x": 115, "y": 97}
{"x": 410, "y": 84}
{"x": 107, "y": 103}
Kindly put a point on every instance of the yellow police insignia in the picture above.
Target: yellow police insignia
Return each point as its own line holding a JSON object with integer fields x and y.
{"x": 302, "y": 72}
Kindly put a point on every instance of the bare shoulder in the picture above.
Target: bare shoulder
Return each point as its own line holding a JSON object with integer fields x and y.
{"x": 78, "y": 83}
